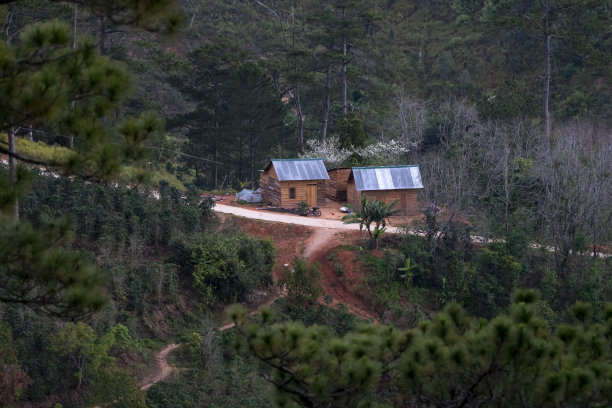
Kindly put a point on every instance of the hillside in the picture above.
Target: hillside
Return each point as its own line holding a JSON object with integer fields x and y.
{"x": 123, "y": 283}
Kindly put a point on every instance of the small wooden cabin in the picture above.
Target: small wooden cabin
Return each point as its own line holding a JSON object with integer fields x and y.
{"x": 387, "y": 184}
{"x": 287, "y": 182}
{"x": 336, "y": 186}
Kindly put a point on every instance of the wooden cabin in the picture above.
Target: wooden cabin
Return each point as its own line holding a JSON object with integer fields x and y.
{"x": 336, "y": 186}
{"x": 387, "y": 184}
{"x": 287, "y": 182}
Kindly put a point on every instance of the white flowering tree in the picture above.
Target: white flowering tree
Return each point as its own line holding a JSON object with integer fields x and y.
{"x": 335, "y": 155}
{"x": 383, "y": 153}
{"x": 329, "y": 150}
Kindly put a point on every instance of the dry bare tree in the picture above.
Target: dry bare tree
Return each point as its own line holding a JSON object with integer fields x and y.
{"x": 449, "y": 171}
{"x": 507, "y": 155}
{"x": 409, "y": 120}
{"x": 576, "y": 176}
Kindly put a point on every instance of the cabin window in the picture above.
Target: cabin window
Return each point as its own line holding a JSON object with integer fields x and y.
{"x": 292, "y": 192}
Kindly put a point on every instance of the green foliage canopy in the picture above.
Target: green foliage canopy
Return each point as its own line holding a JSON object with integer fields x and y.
{"x": 47, "y": 81}
{"x": 302, "y": 282}
{"x": 36, "y": 271}
{"x": 452, "y": 360}
{"x": 228, "y": 267}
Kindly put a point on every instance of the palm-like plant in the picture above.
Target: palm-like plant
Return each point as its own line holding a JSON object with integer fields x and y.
{"x": 372, "y": 211}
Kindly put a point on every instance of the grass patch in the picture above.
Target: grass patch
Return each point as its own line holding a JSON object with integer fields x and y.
{"x": 153, "y": 176}
{"x": 54, "y": 153}
{"x": 38, "y": 150}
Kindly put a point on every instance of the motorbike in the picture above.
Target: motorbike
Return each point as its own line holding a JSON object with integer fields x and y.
{"x": 312, "y": 211}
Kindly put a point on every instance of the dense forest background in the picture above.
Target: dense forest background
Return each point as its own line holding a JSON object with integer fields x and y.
{"x": 505, "y": 106}
{"x": 242, "y": 81}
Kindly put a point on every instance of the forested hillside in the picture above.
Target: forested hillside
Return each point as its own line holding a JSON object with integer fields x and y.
{"x": 117, "y": 117}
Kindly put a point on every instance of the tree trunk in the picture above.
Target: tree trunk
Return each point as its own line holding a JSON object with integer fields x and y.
{"x": 546, "y": 94}
{"x": 74, "y": 25}
{"x": 252, "y": 161}
{"x": 193, "y": 15}
{"x": 240, "y": 146}
{"x": 296, "y": 86}
{"x": 594, "y": 241}
{"x": 74, "y": 36}
{"x": 13, "y": 167}
{"x": 506, "y": 191}
{"x": 326, "y": 104}
{"x": 216, "y": 167}
{"x": 30, "y": 134}
{"x": 298, "y": 108}
{"x": 205, "y": 172}
{"x": 343, "y": 74}
{"x": 253, "y": 138}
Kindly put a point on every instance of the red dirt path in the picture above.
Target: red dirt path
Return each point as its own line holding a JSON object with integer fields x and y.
{"x": 315, "y": 244}
{"x": 164, "y": 369}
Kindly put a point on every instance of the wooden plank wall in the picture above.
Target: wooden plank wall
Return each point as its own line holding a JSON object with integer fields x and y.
{"x": 353, "y": 197}
{"x": 270, "y": 187}
{"x": 407, "y": 199}
{"x": 337, "y": 184}
{"x": 412, "y": 202}
{"x": 276, "y": 192}
{"x": 321, "y": 192}
{"x": 301, "y": 192}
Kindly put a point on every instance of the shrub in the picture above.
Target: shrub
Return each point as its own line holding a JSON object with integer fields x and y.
{"x": 372, "y": 211}
{"x": 302, "y": 282}
{"x": 226, "y": 267}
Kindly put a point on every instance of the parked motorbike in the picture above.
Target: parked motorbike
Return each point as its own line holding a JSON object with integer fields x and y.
{"x": 312, "y": 211}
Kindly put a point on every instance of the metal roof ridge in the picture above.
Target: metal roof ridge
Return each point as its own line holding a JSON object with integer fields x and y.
{"x": 387, "y": 167}
{"x": 295, "y": 159}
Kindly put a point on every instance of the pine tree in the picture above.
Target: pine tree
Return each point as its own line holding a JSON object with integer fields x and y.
{"x": 201, "y": 82}
{"x": 558, "y": 26}
{"x": 453, "y": 360}
{"x": 41, "y": 74}
{"x": 253, "y": 115}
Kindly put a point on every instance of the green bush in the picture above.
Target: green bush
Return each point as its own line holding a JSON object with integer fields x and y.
{"x": 170, "y": 395}
{"x": 226, "y": 267}
{"x": 385, "y": 277}
{"x": 302, "y": 283}
{"x": 206, "y": 207}
{"x": 339, "y": 319}
{"x": 497, "y": 277}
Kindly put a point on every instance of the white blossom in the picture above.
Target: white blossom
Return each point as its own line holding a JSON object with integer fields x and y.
{"x": 384, "y": 153}
{"x": 330, "y": 151}
{"x": 334, "y": 155}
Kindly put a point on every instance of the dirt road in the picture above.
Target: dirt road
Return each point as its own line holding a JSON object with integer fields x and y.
{"x": 163, "y": 370}
{"x": 334, "y": 224}
{"x": 319, "y": 239}
{"x": 291, "y": 219}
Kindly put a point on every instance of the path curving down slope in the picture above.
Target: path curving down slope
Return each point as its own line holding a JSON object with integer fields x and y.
{"x": 321, "y": 236}
{"x": 163, "y": 370}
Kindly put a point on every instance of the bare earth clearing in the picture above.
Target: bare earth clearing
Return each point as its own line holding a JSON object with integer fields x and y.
{"x": 315, "y": 244}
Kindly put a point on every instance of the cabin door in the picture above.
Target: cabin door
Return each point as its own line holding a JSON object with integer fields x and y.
{"x": 311, "y": 194}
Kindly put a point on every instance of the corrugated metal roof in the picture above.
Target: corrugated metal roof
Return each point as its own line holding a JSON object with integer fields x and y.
{"x": 300, "y": 169}
{"x": 387, "y": 178}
